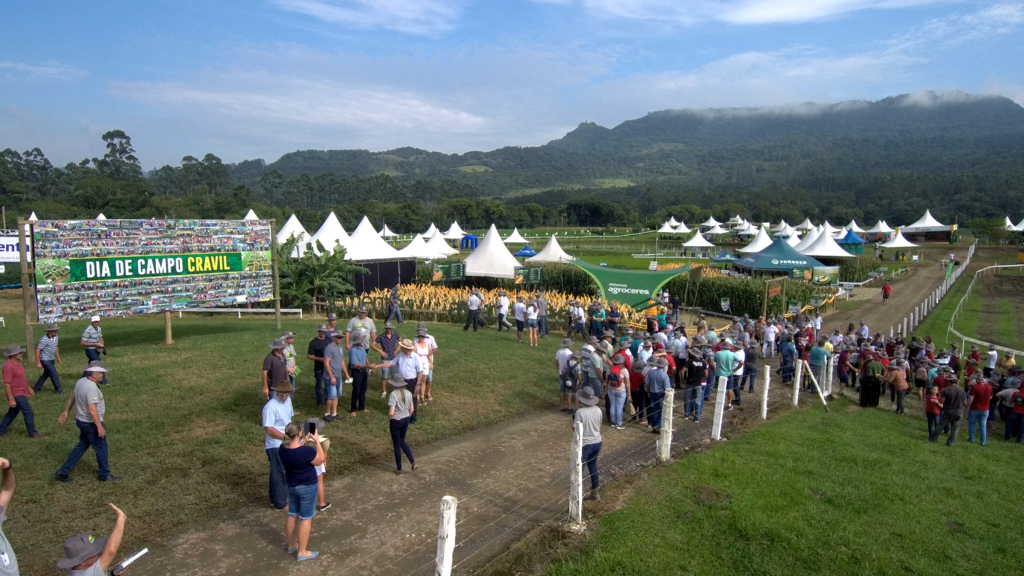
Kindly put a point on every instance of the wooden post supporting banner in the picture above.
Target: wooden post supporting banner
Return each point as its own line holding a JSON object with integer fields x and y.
{"x": 665, "y": 440}
{"x": 799, "y": 370}
{"x": 28, "y": 297}
{"x": 168, "y": 339}
{"x": 277, "y": 281}
{"x": 576, "y": 476}
{"x": 764, "y": 393}
{"x": 716, "y": 426}
{"x": 446, "y": 537}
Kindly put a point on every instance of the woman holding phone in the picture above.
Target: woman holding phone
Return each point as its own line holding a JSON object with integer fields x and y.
{"x": 300, "y": 462}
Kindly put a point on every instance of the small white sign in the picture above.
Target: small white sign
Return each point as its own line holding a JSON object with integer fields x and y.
{"x": 654, "y": 266}
{"x": 3, "y": 268}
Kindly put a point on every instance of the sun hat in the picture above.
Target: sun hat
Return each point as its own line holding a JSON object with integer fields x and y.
{"x": 287, "y": 335}
{"x": 356, "y": 338}
{"x": 94, "y": 319}
{"x": 80, "y": 548}
{"x": 624, "y": 344}
{"x": 575, "y": 354}
{"x": 332, "y": 316}
{"x": 277, "y": 344}
{"x": 323, "y": 328}
{"x": 422, "y": 326}
{"x": 592, "y": 339}
{"x": 694, "y": 351}
{"x": 608, "y": 334}
{"x": 12, "y": 350}
{"x": 388, "y": 325}
{"x": 283, "y": 386}
{"x": 602, "y": 348}
{"x": 647, "y": 343}
{"x": 407, "y": 344}
{"x": 397, "y": 381}
{"x": 661, "y": 363}
{"x": 52, "y": 327}
{"x": 339, "y": 334}
{"x": 618, "y": 359}
{"x": 586, "y": 396}
{"x": 362, "y": 310}
{"x": 566, "y": 342}
{"x": 95, "y": 366}
{"x": 421, "y": 333}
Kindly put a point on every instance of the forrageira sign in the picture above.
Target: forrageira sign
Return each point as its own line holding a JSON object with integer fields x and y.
{"x": 632, "y": 287}
{"x": 120, "y": 268}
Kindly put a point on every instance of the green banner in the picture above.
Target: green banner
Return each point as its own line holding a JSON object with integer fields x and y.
{"x": 132, "y": 267}
{"x": 529, "y": 275}
{"x": 449, "y": 271}
{"x": 825, "y": 275}
{"x": 631, "y": 287}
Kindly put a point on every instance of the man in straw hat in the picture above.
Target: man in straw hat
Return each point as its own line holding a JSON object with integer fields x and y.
{"x": 90, "y": 408}
{"x": 275, "y": 369}
{"x": 408, "y": 367}
{"x": 360, "y": 373}
{"x": 386, "y": 345}
{"x": 656, "y": 382}
{"x": 85, "y": 555}
{"x": 8, "y": 562}
{"x": 332, "y": 322}
{"x": 46, "y": 355}
{"x": 17, "y": 391}
{"x": 277, "y": 413}
{"x": 588, "y": 418}
{"x": 694, "y": 373}
{"x": 92, "y": 340}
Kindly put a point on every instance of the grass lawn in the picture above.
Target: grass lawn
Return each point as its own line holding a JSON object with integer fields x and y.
{"x": 852, "y": 492}
{"x": 184, "y": 422}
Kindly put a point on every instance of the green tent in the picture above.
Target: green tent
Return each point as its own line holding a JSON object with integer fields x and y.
{"x": 631, "y": 287}
{"x": 779, "y": 257}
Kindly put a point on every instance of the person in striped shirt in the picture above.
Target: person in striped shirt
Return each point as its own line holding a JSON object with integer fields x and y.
{"x": 46, "y": 354}
{"x": 92, "y": 339}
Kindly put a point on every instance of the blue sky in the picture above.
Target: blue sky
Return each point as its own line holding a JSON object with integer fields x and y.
{"x": 259, "y": 78}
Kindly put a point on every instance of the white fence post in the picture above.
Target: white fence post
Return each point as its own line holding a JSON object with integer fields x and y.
{"x": 764, "y": 393}
{"x": 814, "y": 380}
{"x": 828, "y": 375}
{"x": 799, "y": 370}
{"x": 716, "y": 426}
{"x": 905, "y": 327}
{"x": 446, "y": 537}
{"x": 576, "y": 476}
{"x": 665, "y": 440}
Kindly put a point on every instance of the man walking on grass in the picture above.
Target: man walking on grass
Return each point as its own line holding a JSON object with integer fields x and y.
{"x": 92, "y": 340}
{"x": 18, "y": 392}
{"x": 90, "y": 408}
{"x": 47, "y": 354}
{"x": 473, "y": 305}
{"x": 315, "y": 352}
{"x": 274, "y": 367}
{"x": 952, "y": 401}
{"x": 387, "y": 346}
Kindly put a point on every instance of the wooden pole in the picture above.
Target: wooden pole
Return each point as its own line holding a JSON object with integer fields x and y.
{"x": 665, "y": 440}
{"x": 27, "y": 292}
{"x": 168, "y": 339}
{"x": 277, "y": 281}
{"x": 576, "y": 476}
{"x": 716, "y": 426}
{"x": 764, "y": 393}
{"x": 446, "y": 537}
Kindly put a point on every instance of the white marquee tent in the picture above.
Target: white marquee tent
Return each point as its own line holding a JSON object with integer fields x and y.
{"x": 292, "y": 228}
{"x": 440, "y": 247}
{"x": 250, "y": 215}
{"x": 418, "y": 249}
{"x": 698, "y": 241}
{"x": 926, "y": 223}
{"x": 805, "y": 225}
{"x": 760, "y": 242}
{"x": 1008, "y": 225}
{"x": 430, "y": 231}
{"x": 455, "y": 232}
{"x": 1019, "y": 227}
{"x": 331, "y": 234}
{"x": 898, "y": 242}
{"x": 793, "y": 240}
{"x": 515, "y": 237}
{"x": 825, "y": 246}
{"x": 667, "y": 228}
{"x": 880, "y": 228}
{"x": 782, "y": 226}
{"x": 672, "y": 221}
{"x": 386, "y": 232}
{"x": 809, "y": 239}
{"x": 366, "y": 245}
{"x": 491, "y": 258}
{"x": 786, "y": 232}
{"x": 711, "y": 222}
{"x": 552, "y": 252}
{"x": 101, "y": 216}
{"x": 683, "y": 229}
{"x": 853, "y": 226}
{"x": 32, "y": 217}
{"x": 716, "y": 229}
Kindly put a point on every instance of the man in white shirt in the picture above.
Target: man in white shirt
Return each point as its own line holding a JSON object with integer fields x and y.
{"x": 863, "y": 333}
{"x": 737, "y": 374}
{"x": 817, "y": 324}
{"x": 503, "y": 304}
{"x": 579, "y": 318}
{"x": 519, "y": 312}
{"x": 561, "y": 360}
{"x": 473, "y": 304}
{"x": 771, "y": 330}
{"x": 990, "y": 362}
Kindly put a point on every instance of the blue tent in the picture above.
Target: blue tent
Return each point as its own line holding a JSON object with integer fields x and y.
{"x": 723, "y": 258}
{"x": 852, "y": 243}
{"x": 525, "y": 253}
{"x": 470, "y": 242}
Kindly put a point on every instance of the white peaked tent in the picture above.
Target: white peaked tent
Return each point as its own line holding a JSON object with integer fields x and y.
{"x": 455, "y": 232}
{"x": 491, "y": 258}
{"x": 853, "y": 226}
{"x": 785, "y": 232}
{"x": 386, "y": 232}
{"x": 418, "y": 249}
{"x": 880, "y": 228}
{"x": 926, "y": 223}
{"x": 805, "y": 225}
{"x": 101, "y": 217}
{"x": 250, "y": 215}
{"x": 430, "y": 231}
{"x": 825, "y": 246}
{"x": 331, "y": 234}
{"x": 293, "y": 229}
{"x": 366, "y": 245}
{"x": 751, "y": 230}
{"x": 438, "y": 246}
{"x": 898, "y": 242}
{"x": 1008, "y": 225}
{"x": 782, "y": 226}
{"x": 711, "y": 222}
{"x": 1019, "y": 227}
{"x": 515, "y": 237}
{"x": 552, "y": 252}
{"x": 672, "y": 221}
{"x": 32, "y": 217}
{"x": 793, "y": 240}
{"x": 829, "y": 229}
{"x": 698, "y": 241}
{"x": 809, "y": 239}
{"x": 666, "y": 228}
{"x": 682, "y": 229}
{"x": 760, "y": 242}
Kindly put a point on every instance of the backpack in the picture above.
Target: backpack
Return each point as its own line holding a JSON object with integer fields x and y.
{"x": 572, "y": 374}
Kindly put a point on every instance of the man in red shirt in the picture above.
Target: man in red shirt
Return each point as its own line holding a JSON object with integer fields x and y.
{"x": 17, "y": 389}
{"x": 979, "y": 399}
{"x": 1016, "y": 420}
{"x": 886, "y": 292}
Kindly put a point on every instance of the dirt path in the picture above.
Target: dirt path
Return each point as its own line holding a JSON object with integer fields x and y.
{"x": 509, "y": 479}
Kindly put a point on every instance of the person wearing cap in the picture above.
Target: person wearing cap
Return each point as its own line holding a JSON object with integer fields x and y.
{"x": 588, "y": 418}
{"x": 315, "y": 352}
{"x": 360, "y": 373}
{"x": 360, "y": 323}
{"x": 335, "y": 372}
{"x": 332, "y": 322}
{"x": 542, "y": 315}
{"x": 577, "y": 320}
{"x": 386, "y": 345}
{"x": 618, "y": 385}
{"x": 599, "y": 364}
{"x": 18, "y": 392}
{"x": 277, "y": 414}
{"x": 726, "y": 364}
{"x": 8, "y": 561}
{"x": 85, "y": 555}
{"x": 694, "y": 373}
{"x": 300, "y": 462}
{"x": 565, "y": 382}
{"x": 92, "y": 340}
{"x": 819, "y": 361}
{"x": 289, "y": 355}
{"x": 532, "y": 323}
{"x": 599, "y": 316}
{"x": 953, "y": 399}
{"x": 503, "y": 305}
{"x": 656, "y": 382}
{"x": 90, "y": 408}
{"x": 401, "y": 409}
{"x": 407, "y": 366}
{"x": 274, "y": 367}
{"x": 519, "y": 313}
{"x": 787, "y": 364}
{"x": 473, "y": 306}
{"x": 898, "y": 380}
{"x": 979, "y": 400}
{"x": 47, "y": 354}
{"x": 585, "y": 353}
{"x": 871, "y": 379}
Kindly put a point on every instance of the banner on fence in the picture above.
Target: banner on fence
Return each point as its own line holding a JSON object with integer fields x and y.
{"x": 794, "y": 307}
{"x": 449, "y": 271}
{"x": 725, "y": 304}
{"x": 9, "y": 250}
{"x": 825, "y": 275}
{"x": 529, "y": 275}
{"x": 124, "y": 267}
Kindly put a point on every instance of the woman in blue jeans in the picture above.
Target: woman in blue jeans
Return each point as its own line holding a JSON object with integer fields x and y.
{"x": 400, "y": 410}
{"x": 588, "y": 417}
{"x": 300, "y": 464}
{"x": 618, "y": 384}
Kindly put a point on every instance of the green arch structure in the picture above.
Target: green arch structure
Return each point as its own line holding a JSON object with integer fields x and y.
{"x": 632, "y": 287}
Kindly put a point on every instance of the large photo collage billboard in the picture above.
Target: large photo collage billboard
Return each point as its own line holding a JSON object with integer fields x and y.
{"x": 124, "y": 267}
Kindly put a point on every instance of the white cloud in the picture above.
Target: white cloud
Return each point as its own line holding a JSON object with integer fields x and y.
{"x": 52, "y": 71}
{"x": 416, "y": 17}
